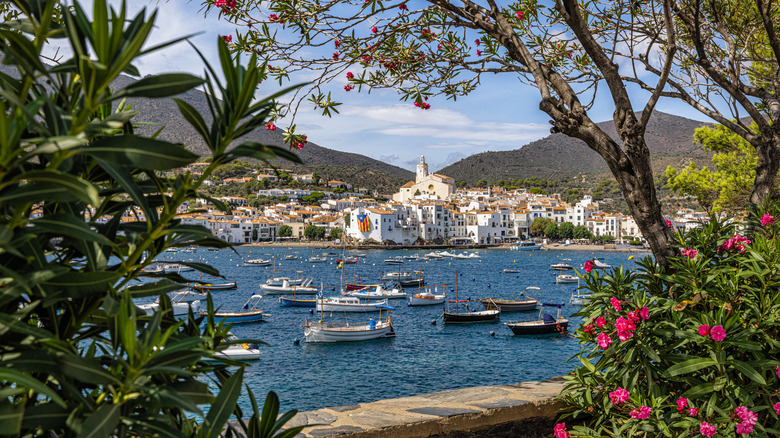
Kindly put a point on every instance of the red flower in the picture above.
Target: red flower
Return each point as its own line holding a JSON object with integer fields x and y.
{"x": 350, "y": 75}
{"x": 476, "y": 41}
{"x": 403, "y": 7}
{"x": 348, "y": 87}
{"x": 299, "y": 144}
{"x": 273, "y": 17}
{"x": 374, "y": 29}
{"x": 270, "y": 126}
{"x": 336, "y": 43}
{"x": 704, "y": 330}
{"x": 560, "y": 431}
{"x": 766, "y": 219}
{"x": 519, "y": 15}
{"x": 336, "y": 55}
{"x": 219, "y": 3}
{"x": 479, "y": 53}
{"x": 228, "y": 38}
{"x": 588, "y": 266}
{"x": 668, "y": 223}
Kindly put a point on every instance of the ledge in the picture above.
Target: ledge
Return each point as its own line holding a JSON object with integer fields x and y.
{"x": 525, "y": 409}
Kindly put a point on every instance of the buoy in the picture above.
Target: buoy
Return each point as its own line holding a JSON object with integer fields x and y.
{"x": 433, "y": 322}
{"x": 311, "y": 311}
{"x": 488, "y": 285}
{"x": 296, "y": 341}
{"x": 492, "y": 333}
{"x": 631, "y": 258}
{"x": 517, "y": 276}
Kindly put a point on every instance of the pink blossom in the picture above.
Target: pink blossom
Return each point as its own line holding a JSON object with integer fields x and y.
{"x": 644, "y": 313}
{"x": 588, "y": 266}
{"x": 707, "y": 429}
{"x": 270, "y": 126}
{"x": 403, "y": 7}
{"x": 704, "y": 330}
{"x": 643, "y": 413}
{"x": 668, "y": 223}
{"x": 777, "y": 371}
{"x": 519, "y": 15}
{"x": 273, "y": 17}
{"x": 682, "y": 403}
{"x": 746, "y": 415}
{"x": 717, "y": 333}
{"x": 601, "y": 322}
{"x": 633, "y": 316}
{"x": 766, "y": 219}
{"x": 690, "y": 253}
{"x": 336, "y": 55}
{"x": 374, "y": 30}
{"x": 737, "y": 242}
{"x": 350, "y": 75}
{"x": 615, "y": 303}
{"x": 228, "y": 38}
{"x": 479, "y": 52}
{"x": 348, "y": 87}
{"x": 299, "y": 144}
{"x": 618, "y": 396}
{"x": 588, "y": 328}
{"x": 776, "y": 407}
{"x": 560, "y": 431}
{"x": 477, "y": 41}
{"x": 603, "y": 340}
{"x": 219, "y": 3}
{"x": 744, "y": 428}
{"x": 693, "y": 412}
{"x": 624, "y": 327}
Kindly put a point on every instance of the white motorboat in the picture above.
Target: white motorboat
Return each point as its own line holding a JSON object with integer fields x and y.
{"x": 394, "y": 261}
{"x": 179, "y": 308}
{"x": 526, "y": 245}
{"x": 434, "y": 256}
{"x": 177, "y": 267}
{"x": 344, "y": 332}
{"x": 566, "y": 278}
{"x": 286, "y": 288}
{"x": 257, "y": 262}
{"x": 511, "y": 271}
{"x": 429, "y": 295}
{"x": 561, "y": 266}
{"x": 379, "y": 293}
{"x": 318, "y": 259}
{"x": 400, "y": 275}
{"x": 578, "y": 298}
{"x": 350, "y": 304}
{"x": 600, "y": 264}
{"x": 279, "y": 281}
{"x": 461, "y": 256}
{"x": 184, "y": 296}
{"x": 243, "y": 351}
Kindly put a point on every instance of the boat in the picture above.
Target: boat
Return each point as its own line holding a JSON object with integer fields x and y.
{"x": 296, "y": 302}
{"x": 251, "y": 314}
{"x": 599, "y": 263}
{"x": 394, "y": 261}
{"x": 291, "y": 257}
{"x": 180, "y": 308}
{"x": 399, "y": 276}
{"x": 526, "y": 245}
{"x": 257, "y": 262}
{"x": 561, "y": 266}
{"x": 522, "y": 304}
{"x": 320, "y": 331}
{"x": 243, "y": 351}
{"x": 278, "y": 281}
{"x": 154, "y": 268}
{"x": 184, "y": 296}
{"x": 566, "y": 278}
{"x": 358, "y": 286}
{"x": 413, "y": 257}
{"x": 318, "y": 259}
{"x": 578, "y": 298}
{"x": 286, "y": 288}
{"x": 177, "y": 267}
{"x": 546, "y": 324}
{"x": 429, "y": 295}
{"x": 511, "y": 271}
{"x": 461, "y": 256}
{"x": 434, "y": 256}
{"x": 414, "y": 282}
{"x": 349, "y": 304}
{"x": 474, "y": 255}
{"x": 211, "y": 248}
{"x": 379, "y": 293}
{"x": 347, "y": 260}
{"x": 215, "y": 286}
{"x": 466, "y": 315}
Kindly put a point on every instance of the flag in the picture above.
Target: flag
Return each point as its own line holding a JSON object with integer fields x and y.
{"x": 364, "y": 223}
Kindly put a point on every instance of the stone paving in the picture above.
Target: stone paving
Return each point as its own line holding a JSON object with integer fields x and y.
{"x": 439, "y": 414}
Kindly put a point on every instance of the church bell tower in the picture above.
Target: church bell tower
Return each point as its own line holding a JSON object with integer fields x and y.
{"x": 422, "y": 169}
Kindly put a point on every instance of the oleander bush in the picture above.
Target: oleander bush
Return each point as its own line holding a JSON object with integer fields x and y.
{"x": 85, "y": 205}
{"x": 689, "y": 352}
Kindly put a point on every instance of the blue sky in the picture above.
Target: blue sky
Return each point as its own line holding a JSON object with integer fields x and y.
{"x": 502, "y": 114}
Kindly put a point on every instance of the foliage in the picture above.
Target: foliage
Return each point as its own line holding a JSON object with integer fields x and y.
{"x": 566, "y": 230}
{"x": 728, "y": 187}
{"x": 77, "y": 358}
{"x": 285, "y": 231}
{"x": 313, "y": 232}
{"x": 336, "y": 233}
{"x": 540, "y": 224}
{"x": 581, "y": 232}
{"x": 551, "y": 231}
{"x": 688, "y": 347}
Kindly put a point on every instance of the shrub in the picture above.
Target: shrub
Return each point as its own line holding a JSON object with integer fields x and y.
{"x": 687, "y": 352}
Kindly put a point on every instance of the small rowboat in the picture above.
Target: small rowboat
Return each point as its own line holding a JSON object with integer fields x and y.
{"x": 545, "y": 325}
{"x": 257, "y": 262}
{"x": 215, "y": 286}
{"x": 296, "y": 302}
{"x": 252, "y": 314}
{"x": 334, "y": 332}
{"x": 428, "y": 296}
{"x": 521, "y": 304}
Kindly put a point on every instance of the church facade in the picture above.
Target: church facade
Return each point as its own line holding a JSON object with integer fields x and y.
{"x": 434, "y": 185}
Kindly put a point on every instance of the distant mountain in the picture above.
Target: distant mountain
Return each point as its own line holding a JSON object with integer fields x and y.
{"x": 164, "y": 112}
{"x": 557, "y": 156}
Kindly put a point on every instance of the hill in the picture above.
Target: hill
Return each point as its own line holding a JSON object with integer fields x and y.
{"x": 164, "y": 112}
{"x": 557, "y": 156}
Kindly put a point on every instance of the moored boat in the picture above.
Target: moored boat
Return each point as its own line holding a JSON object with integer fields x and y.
{"x": 290, "y": 289}
{"x": 350, "y": 304}
{"x": 523, "y": 303}
{"x": 319, "y": 331}
{"x": 461, "y": 314}
{"x": 215, "y": 286}
{"x": 251, "y": 314}
{"x": 546, "y": 324}
{"x": 379, "y": 293}
{"x": 179, "y": 308}
{"x": 296, "y": 302}
{"x": 429, "y": 295}
{"x": 257, "y": 262}
{"x": 526, "y": 245}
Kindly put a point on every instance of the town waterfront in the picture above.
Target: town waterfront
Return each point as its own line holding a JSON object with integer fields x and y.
{"x": 423, "y": 357}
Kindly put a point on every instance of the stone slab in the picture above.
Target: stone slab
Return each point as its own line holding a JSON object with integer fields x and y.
{"x": 311, "y": 418}
{"x": 500, "y": 403}
{"x": 345, "y": 408}
{"x": 466, "y": 395}
{"x": 380, "y": 419}
{"x": 335, "y": 431}
{"x": 442, "y": 412}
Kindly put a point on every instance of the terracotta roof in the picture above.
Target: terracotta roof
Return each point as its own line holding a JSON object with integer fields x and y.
{"x": 407, "y": 185}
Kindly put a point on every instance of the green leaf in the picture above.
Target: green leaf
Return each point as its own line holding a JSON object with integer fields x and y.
{"x": 163, "y": 85}
{"x": 194, "y": 118}
{"x": 69, "y": 225}
{"x": 101, "y": 423}
{"x": 198, "y": 392}
{"x": 10, "y": 418}
{"x": 223, "y": 406}
{"x": 47, "y": 416}
{"x": 749, "y": 372}
{"x": 126, "y": 180}
{"x": 153, "y": 289}
{"x": 261, "y": 152}
{"x": 85, "y": 370}
{"x": 51, "y": 185}
{"x": 24, "y": 379}
{"x": 141, "y": 152}
{"x": 699, "y": 391}
{"x": 689, "y": 366}
{"x": 83, "y": 284}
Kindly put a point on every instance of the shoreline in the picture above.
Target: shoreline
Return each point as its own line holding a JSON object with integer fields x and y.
{"x": 505, "y": 246}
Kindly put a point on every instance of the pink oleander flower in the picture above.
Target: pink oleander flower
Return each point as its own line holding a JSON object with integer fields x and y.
{"x": 350, "y": 75}
{"x": 219, "y": 3}
{"x": 603, "y": 340}
{"x": 766, "y": 219}
{"x": 682, "y": 403}
{"x": 479, "y": 52}
{"x": 477, "y": 41}
{"x": 588, "y": 329}
{"x": 744, "y": 428}
{"x": 403, "y": 7}
{"x": 601, "y": 322}
{"x": 668, "y": 223}
{"x": 777, "y": 371}
{"x": 270, "y": 126}
{"x": 588, "y": 266}
{"x": 625, "y": 328}
{"x": 231, "y": 4}
{"x": 736, "y": 242}
{"x": 348, "y": 87}
{"x": 228, "y": 38}
{"x": 690, "y": 253}
{"x": 644, "y": 313}
{"x": 633, "y": 316}
{"x": 619, "y": 396}
{"x": 718, "y": 333}
{"x": 299, "y": 144}
{"x": 707, "y": 429}
{"x": 519, "y": 15}
{"x": 374, "y": 30}
{"x": 704, "y": 330}
{"x": 643, "y": 413}
{"x": 560, "y": 431}
{"x": 776, "y": 407}
{"x": 693, "y": 412}
{"x": 746, "y": 415}
{"x": 615, "y": 303}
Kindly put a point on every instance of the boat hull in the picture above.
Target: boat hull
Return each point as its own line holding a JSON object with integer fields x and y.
{"x": 509, "y": 305}
{"x": 426, "y": 300}
{"x": 225, "y": 286}
{"x": 324, "y": 306}
{"x": 471, "y": 317}
{"x": 237, "y": 317}
{"x": 280, "y": 290}
{"x": 295, "y": 302}
{"x": 416, "y": 282}
{"x": 538, "y": 327}
{"x": 315, "y": 332}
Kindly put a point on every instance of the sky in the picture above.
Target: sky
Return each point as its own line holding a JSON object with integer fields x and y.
{"x": 502, "y": 114}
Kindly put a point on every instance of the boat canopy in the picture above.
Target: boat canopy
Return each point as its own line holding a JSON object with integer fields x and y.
{"x": 558, "y": 305}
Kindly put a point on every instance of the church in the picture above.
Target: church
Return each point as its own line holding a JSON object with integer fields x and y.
{"x": 434, "y": 185}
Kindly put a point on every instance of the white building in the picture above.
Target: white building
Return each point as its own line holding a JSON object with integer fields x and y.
{"x": 439, "y": 186}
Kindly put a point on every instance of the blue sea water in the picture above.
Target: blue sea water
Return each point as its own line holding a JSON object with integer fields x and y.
{"x": 423, "y": 357}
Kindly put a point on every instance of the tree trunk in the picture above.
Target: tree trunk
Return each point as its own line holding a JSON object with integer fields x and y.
{"x": 766, "y": 171}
